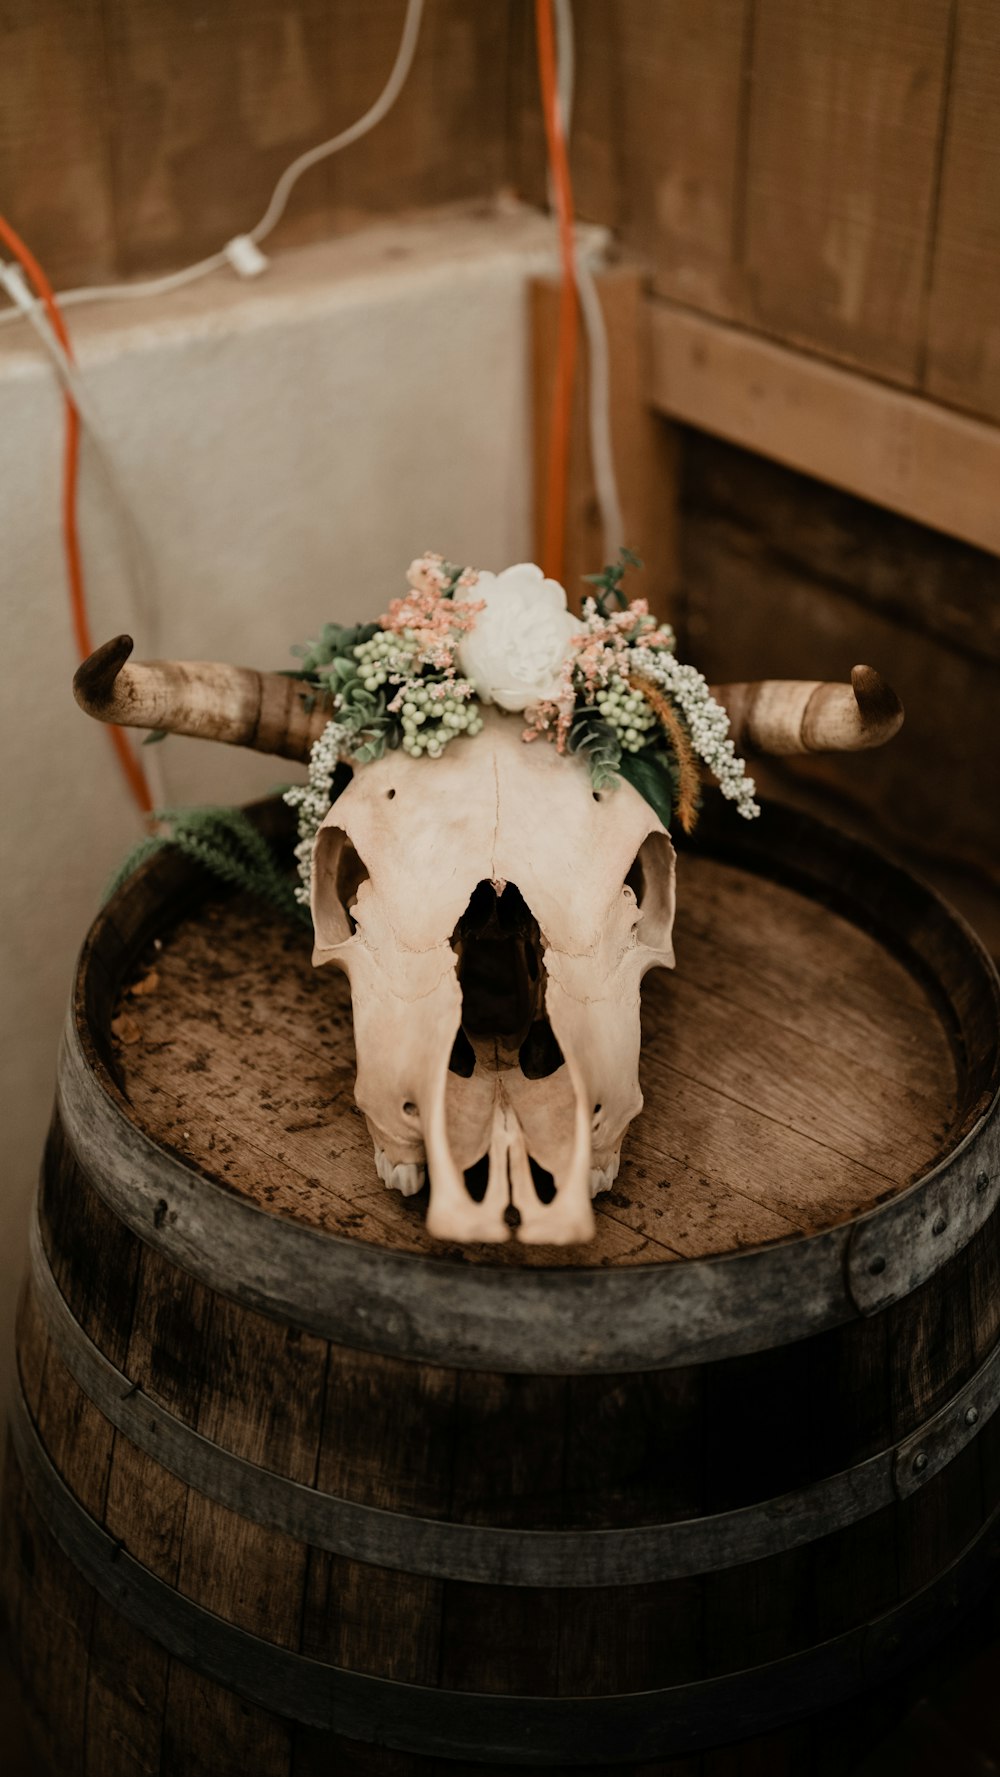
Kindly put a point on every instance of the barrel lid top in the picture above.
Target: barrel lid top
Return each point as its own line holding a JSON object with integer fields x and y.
{"x": 826, "y": 1046}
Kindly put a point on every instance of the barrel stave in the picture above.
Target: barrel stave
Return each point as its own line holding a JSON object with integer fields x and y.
{"x": 94, "y": 1257}
{"x": 127, "y": 1700}
{"x": 944, "y": 1515}
{"x": 387, "y": 1432}
{"x": 50, "y": 1609}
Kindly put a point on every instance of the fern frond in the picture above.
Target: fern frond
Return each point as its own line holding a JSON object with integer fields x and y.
{"x": 224, "y": 842}
{"x": 130, "y": 864}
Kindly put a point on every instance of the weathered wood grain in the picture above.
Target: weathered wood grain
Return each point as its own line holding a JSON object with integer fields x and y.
{"x": 824, "y": 175}
{"x": 445, "y": 139}
{"x": 658, "y": 141}
{"x": 135, "y": 139}
{"x": 963, "y": 332}
{"x": 372, "y": 1414}
{"x": 50, "y": 1610}
{"x": 942, "y": 588}
{"x": 32, "y": 1345}
{"x": 844, "y": 125}
{"x": 781, "y": 576}
{"x": 209, "y": 107}
{"x": 211, "y": 1732}
{"x": 55, "y": 148}
{"x": 748, "y": 1141}
{"x": 892, "y": 447}
{"x": 125, "y": 1700}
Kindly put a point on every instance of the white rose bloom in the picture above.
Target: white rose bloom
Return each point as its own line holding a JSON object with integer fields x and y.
{"x": 517, "y": 646}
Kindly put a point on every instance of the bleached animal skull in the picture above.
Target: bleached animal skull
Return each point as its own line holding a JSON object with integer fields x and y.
{"x": 495, "y": 918}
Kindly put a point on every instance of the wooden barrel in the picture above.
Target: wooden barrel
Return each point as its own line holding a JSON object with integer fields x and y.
{"x": 289, "y": 1480}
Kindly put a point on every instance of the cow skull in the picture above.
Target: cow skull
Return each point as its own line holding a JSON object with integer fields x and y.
{"x": 495, "y": 917}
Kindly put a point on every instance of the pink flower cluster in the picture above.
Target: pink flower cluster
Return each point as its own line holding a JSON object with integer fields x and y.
{"x": 598, "y": 653}
{"x": 432, "y": 624}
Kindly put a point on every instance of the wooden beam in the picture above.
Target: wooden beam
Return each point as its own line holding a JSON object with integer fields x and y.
{"x": 909, "y": 454}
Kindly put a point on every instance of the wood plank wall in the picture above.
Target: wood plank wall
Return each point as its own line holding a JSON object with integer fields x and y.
{"x": 140, "y": 135}
{"x": 826, "y": 174}
{"x": 781, "y": 575}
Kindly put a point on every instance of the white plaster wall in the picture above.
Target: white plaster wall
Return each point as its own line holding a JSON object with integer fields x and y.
{"x": 286, "y": 448}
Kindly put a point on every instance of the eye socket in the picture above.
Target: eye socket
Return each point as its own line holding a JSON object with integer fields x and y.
{"x": 651, "y": 880}
{"x": 351, "y": 873}
{"x": 635, "y": 878}
{"x": 339, "y": 873}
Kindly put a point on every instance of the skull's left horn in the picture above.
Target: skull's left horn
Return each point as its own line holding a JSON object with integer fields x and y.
{"x": 265, "y": 711}
{"x": 808, "y": 716}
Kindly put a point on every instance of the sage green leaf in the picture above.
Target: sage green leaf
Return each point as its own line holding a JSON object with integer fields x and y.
{"x": 651, "y": 781}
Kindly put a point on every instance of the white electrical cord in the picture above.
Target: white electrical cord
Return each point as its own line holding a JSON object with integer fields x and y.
{"x": 243, "y": 254}
{"x": 239, "y": 253}
{"x": 599, "y": 365}
{"x": 565, "y": 63}
{"x": 599, "y": 405}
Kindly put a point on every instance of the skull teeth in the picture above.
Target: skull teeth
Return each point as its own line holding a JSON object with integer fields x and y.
{"x": 603, "y": 1177}
{"x": 405, "y": 1176}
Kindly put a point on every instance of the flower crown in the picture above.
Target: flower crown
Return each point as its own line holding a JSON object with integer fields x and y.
{"x": 607, "y": 686}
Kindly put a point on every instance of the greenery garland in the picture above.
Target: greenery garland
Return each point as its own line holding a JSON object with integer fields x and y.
{"x": 622, "y": 702}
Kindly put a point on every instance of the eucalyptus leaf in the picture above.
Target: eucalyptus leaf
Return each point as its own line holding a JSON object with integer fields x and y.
{"x": 610, "y": 580}
{"x": 335, "y": 643}
{"x": 599, "y": 744}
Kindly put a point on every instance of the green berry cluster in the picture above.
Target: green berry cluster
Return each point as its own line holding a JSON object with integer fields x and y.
{"x": 379, "y": 658}
{"x": 627, "y": 712}
{"x": 431, "y": 721}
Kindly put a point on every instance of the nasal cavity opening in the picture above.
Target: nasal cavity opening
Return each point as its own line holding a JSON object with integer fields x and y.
{"x": 499, "y": 949}
{"x": 544, "y": 1183}
{"x": 477, "y": 1177}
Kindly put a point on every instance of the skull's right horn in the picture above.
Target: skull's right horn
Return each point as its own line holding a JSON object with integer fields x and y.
{"x": 811, "y": 716}
{"x": 207, "y": 699}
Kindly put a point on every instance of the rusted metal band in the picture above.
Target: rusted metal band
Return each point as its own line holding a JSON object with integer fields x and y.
{"x": 559, "y": 1321}
{"x": 487, "y": 1554}
{"x": 528, "y": 1730}
{"x": 891, "y": 1253}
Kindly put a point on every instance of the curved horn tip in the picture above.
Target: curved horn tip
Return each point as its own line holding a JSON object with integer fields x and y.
{"x": 95, "y": 677}
{"x": 878, "y": 706}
